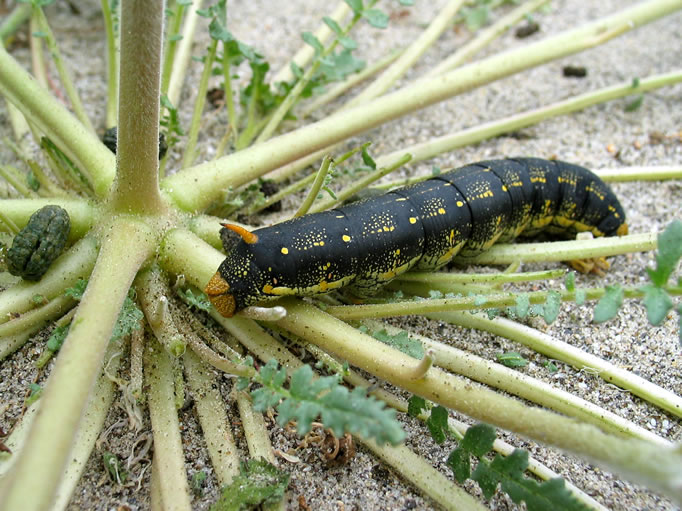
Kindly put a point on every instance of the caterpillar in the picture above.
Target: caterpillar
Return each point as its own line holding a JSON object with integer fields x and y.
{"x": 366, "y": 244}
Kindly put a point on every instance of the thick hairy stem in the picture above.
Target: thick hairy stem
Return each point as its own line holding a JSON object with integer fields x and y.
{"x": 65, "y": 398}
{"x": 137, "y": 180}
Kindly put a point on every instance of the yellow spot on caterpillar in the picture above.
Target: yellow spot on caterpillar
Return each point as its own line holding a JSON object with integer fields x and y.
{"x": 397, "y": 251}
{"x": 504, "y": 188}
{"x": 401, "y": 199}
{"x": 285, "y": 250}
{"x": 460, "y": 204}
{"x": 441, "y": 211}
{"x": 413, "y": 220}
{"x": 267, "y": 289}
{"x": 324, "y": 285}
{"x": 345, "y": 238}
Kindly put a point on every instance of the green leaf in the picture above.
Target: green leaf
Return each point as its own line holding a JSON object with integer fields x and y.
{"x": 657, "y": 303}
{"x": 608, "y": 305}
{"x": 669, "y": 253}
{"x": 199, "y": 300}
{"x": 569, "y": 281}
{"x": 333, "y": 25}
{"x": 32, "y": 181}
{"x": 511, "y": 359}
{"x": 406, "y": 2}
{"x": 313, "y": 41}
{"x": 522, "y": 305}
{"x": 438, "y": 423}
{"x": 401, "y": 341}
{"x": 76, "y": 292}
{"x": 57, "y": 338}
{"x": 36, "y": 392}
{"x": 580, "y": 296}
{"x": 259, "y": 483}
{"x": 356, "y": 5}
{"x": 115, "y": 468}
{"x": 367, "y": 159}
{"x": 476, "y": 17}
{"x": 376, "y": 18}
{"x": 415, "y": 406}
{"x": 459, "y": 462}
{"x": 635, "y": 104}
{"x": 552, "y": 306}
{"x": 128, "y": 318}
{"x": 478, "y": 439}
{"x": 551, "y": 366}
{"x": 197, "y": 482}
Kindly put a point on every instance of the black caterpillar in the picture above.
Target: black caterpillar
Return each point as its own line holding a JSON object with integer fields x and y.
{"x": 366, "y": 244}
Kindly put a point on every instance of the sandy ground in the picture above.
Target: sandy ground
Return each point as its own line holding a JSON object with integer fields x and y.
{"x": 653, "y": 353}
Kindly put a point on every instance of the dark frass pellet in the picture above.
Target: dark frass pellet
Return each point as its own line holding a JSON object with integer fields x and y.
{"x": 38, "y": 244}
{"x": 110, "y": 139}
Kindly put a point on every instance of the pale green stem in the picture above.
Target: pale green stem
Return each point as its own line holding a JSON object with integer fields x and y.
{"x": 199, "y": 102}
{"x": 81, "y": 213}
{"x": 526, "y": 387}
{"x": 484, "y": 131}
{"x": 191, "y": 192}
{"x": 183, "y": 54}
{"x": 556, "y": 349}
{"x": 208, "y": 356}
{"x": 112, "y": 65}
{"x": 307, "y": 52}
{"x": 17, "y": 180}
{"x": 153, "y": 294}
{"x": 37, "y": 56}
{"x": 437, "y": 305}
{"x": 625, "y": 174}
{"x": 564, "y": 250}
{"x": 74, "y": 264}
{"x": 136, "y": 188}
{"x": 361, "y": 184}
{"x": 80, "y": 144}
{"x": 64, "y": 74}
{"x": 17, "y": 438}
{"x": 76, "y": 370}
{"x": 647, "y": 463}
{"x": 419, "y": 472}
{"x": 412, "y": 53}
{"x": 173, "y": 32}
{"x": 14, "y": 21}
{"x": 255, "y": 430}
{"x": 229, "y": 101}
{"x": 349, "y": 83}
{"x": 213, "y": 418}
{"x": 168, "y": 455}
{"x": 493, "y": 279}
{"x": 315, "y": 188}
{"x": 89, "y": 429}
{"x": 30, "y": 322}
{"x": 484, "y": 37}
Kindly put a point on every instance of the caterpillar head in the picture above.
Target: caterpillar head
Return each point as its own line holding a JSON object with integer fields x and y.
{"x": 237, "y": 283}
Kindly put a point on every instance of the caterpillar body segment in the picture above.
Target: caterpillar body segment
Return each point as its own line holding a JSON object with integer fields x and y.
{"x": 366, "y": 244}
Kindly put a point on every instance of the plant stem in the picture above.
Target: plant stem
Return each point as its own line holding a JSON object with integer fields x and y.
{"x": 199, "y": 102}
{"x": 171, "y": 44}
{"x": 412, "y": 53}
{"x": 320, "y": 176}
{"x": 419, "y": 472}
{"x": 64, "y": 75}
{"x": 183, "y": 54}
{"x": 136, "y": 189}
{"x": 484, "y": 131}
{"x": 213, "y": 418}
{"x": 13, "y": 22}
{"x": 89, "y": 429}
{"x": 190, "y": 192}
{"x": 39, "y": 107}
{"x": 556, "y": 349}
{"x": 77, "y": 368}
{"x": 648, "y": 463}
{"x": 168, "y": 455}
{"x": 112, "y": 65}
{"x": 484, "y": 37}
{"x": 255, "y": 430}
{"x": 653, "y": 173}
